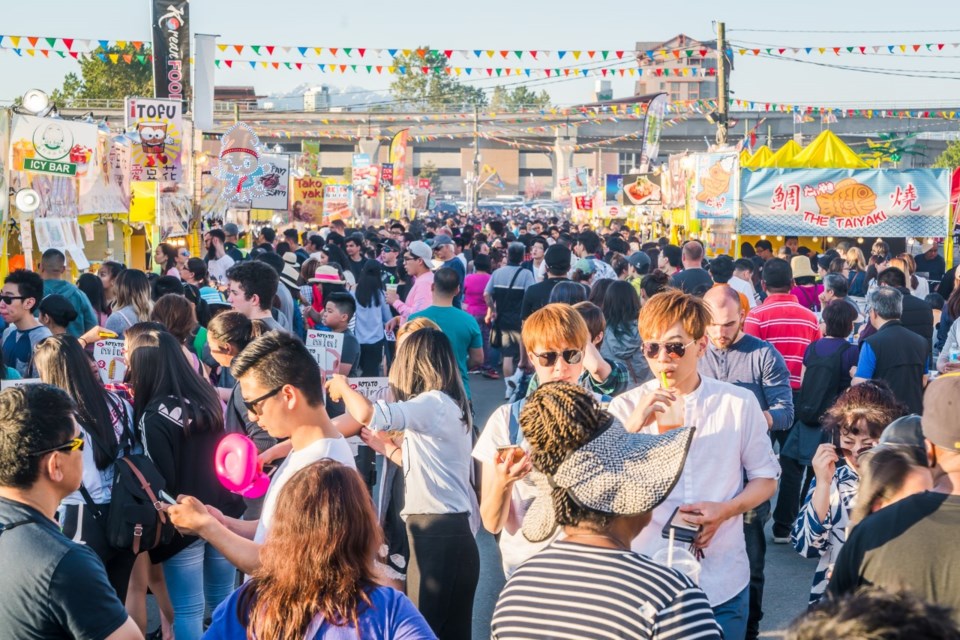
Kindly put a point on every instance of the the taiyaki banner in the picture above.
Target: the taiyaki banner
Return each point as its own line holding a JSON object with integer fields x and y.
{"x": 158, "y": 127}
{"x": 716, "y": 186}
{"x": 845, "y": 202}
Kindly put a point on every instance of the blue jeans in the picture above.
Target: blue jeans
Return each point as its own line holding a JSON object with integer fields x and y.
{"x": 196, "y": 576}
{"x": 732, "y": 615}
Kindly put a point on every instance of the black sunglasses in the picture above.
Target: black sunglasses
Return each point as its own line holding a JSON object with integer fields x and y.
{"x": 76, "y": 444}
{"x": 549, "y": 358}
{"x": 9, "y": 299}
{"x": 252, "y": 404}
{"x": 674, "y": 349}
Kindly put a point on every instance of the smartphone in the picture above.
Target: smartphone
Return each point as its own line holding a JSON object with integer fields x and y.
{"x": 683, "y": 530}
{"x": 511, "y": 452}
{"x": 166, "y": 497}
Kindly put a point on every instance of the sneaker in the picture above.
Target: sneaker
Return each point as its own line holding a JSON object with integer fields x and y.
{"x": 511, "y": 388}
{"x": 781, "y": 539}
{"x": 490, "y": 374}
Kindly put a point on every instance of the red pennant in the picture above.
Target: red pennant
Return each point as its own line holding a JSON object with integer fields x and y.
{"x": 533, "y": 54}
{"x": 379, "y": 70}
{"x": 619, "y": 55}
{"x": 863, "y": 50}
{"x": 229, "y": 63}
{"x": 270, "y": 49}
{"x": 940, "y": 47}
{"x": 299, "y": 66}
{"x": 489, "y": 72}
{"x": 69, "y": 43}
{"x": 836, "y": 50}
{"x": 362, "y": 52}
{"x": 659, "y": 72}
{"x": 703, "y": 53}
{"x": 425, "y": 70}
{"x": 448, "y": 53}
{"x": 604, "y": 72}
{"x": 504, "y": 54}
{"x": 780, "y": 51}
{"x": 75, "y": 55}
{"x": 916, "y": 48}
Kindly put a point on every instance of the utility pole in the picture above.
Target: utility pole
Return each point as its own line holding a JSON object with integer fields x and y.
{"x": 723, "y": 85}
{"x": 476, "y": 157}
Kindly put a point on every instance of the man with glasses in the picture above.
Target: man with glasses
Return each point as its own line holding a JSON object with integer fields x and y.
{"x": 418, "y": 263}
{"x": 21, "y": 293}
{"x": 283, "y": 392}
{"x": 730, "y": 440}
{"x": 50, "y": 587}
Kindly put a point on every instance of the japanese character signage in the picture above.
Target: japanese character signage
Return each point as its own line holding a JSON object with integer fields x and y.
{"x": 846, "y": 202}
{"x": 325, "y": 347}
{"x": 308, "y": 191}
{"x": 157, "y": 126}
{"x": 716, "y": 186}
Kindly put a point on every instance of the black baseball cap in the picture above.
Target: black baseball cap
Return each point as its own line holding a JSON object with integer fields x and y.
{"x": 557, "y": 257}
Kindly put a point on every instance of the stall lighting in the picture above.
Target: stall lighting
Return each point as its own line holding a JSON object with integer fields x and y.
{"x": 763, "y": 237}
{"x": 829, "y": 238}
{"x": 859, "y": 240}
{"x": 779, "y": 237}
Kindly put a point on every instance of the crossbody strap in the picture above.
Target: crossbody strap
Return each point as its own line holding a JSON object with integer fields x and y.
{"x": 153, "y": 499}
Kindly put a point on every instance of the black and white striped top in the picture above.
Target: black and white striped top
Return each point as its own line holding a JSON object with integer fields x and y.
{"x": 579, "y": 592}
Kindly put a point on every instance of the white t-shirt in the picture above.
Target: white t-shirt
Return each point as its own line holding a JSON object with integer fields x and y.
{"x": 514, "y": 548}
{"x": 217, "y": 268}
{"x": 325, "y": 448}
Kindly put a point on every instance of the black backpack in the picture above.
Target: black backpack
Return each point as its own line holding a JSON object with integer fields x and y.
{"x": 821, "y": 385}
{"x": 134, "y": 519}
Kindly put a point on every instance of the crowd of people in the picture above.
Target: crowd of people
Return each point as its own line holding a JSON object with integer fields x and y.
{"x": 655, "y": 404}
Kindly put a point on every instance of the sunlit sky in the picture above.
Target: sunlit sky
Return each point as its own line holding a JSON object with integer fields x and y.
{"x": 560, "y": 24}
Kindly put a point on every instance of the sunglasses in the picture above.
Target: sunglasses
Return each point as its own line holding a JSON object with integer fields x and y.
{"x": 674, "y": 349}
{"x": 8, "y": 300}
{"x": 76, "y": 444}
{"x": 253, "y": 406}
{"x": 549, "y": 358}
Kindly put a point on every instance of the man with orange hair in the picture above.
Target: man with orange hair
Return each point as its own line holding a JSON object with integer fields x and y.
{"x": 558, "y": 344}
{"x": 730, "y": 440}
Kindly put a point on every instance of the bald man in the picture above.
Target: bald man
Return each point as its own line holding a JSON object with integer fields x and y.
{"x": 741, "y": 359}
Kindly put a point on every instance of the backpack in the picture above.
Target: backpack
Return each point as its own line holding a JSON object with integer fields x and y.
{"x": 821, "y": 385}
{"x": 134, "y": 518}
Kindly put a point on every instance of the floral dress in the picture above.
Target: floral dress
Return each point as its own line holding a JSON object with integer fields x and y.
{"x": 815, "y": 539}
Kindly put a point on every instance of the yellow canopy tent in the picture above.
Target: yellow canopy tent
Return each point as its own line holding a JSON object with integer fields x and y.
{"x": 759, "y": 159}
{"x": 827, "y": 151}
{"x": 745, "y": 156}
{"x": 784, "y": 156}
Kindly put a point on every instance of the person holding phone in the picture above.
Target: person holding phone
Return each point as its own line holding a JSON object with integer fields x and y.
{"x": 730, "y": 441}
{"x": 854, "y": 422}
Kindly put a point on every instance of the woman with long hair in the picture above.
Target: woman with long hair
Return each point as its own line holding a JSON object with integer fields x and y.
{"x": 132, "y": 303}
{"x": 947, "y": 338}
{"x": 92, "y": 286}
{"x": 108, "y": 273}
{"x": 599, "y": 290}
{"x": 317, "y": 577}
{"x": 919, "y": 286}
{"x": 106, "y": 422}
{"x": 179, "y": 316}
{"x": 372, "y": 314}
{"x": 621, "y": 341}
{"x": 569, "y": 293}
{"x": 166, "y": 257}
{"x": 855, "y": 422}
{"x": 180, "y": 418}
{"x": 856, "y": 272}
{"x": 431, "y": 410}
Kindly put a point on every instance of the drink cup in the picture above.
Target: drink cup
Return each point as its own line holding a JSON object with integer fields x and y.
{"x": 672, "y": 417}
{"x": 392, "y": 288}
{"x": 682, "y": 561}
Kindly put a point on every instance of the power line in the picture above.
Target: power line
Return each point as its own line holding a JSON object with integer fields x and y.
{"x": 848, "y": 31}
{"x": 883, "y": 72}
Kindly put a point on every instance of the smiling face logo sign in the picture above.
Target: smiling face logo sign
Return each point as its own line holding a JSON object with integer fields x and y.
{"x": 240, "y": 164}
{"x": 51, "y": 142}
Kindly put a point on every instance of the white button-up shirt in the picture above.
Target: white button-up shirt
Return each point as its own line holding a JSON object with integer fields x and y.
{"x": 730, "y": 439}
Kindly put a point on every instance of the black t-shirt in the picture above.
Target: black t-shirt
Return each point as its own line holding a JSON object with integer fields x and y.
{"x": 696, "y": 281}
{"x": 537, "y": 296}
{"x": 911, "y": 543}
{"x": 51, "y": 587}
{"x": 356, "y": 267}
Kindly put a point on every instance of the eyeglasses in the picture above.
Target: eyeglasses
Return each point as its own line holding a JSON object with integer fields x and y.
{"x": 409, "y": 258}
{"x": 252, "y": 406}
{"x": 76, "y": 444}
{"x": 674, "y": 350}
{"x": 549, "y": 358}
{"x": 8, "y": 300}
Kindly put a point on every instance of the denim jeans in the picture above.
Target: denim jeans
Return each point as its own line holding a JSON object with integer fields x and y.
{"x": 753, "y": 523}
{"x": 196, "y": 576}
{"x": 732, "y": 615}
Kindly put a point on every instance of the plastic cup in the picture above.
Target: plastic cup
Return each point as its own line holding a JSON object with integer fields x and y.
{"x": 392, "y": 288}
{"x": 683, "y": 561}
{"x": 671, "y": 418}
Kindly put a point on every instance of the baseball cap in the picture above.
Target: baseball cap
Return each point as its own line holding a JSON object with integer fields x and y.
{"x": 231, "y": 229}
{"x": 906, "y": 433}
{"x": 941, "y": 406}
{"x": 558, "y": 257}
{"x": 422, "y": 251}
{"x": 441, "y": 240}
{"x": 390, "y": 245}
{"x": 584, "y": 266}
{"x": 640, "y": 262}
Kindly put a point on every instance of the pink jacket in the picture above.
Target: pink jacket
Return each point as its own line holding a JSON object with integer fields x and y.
{"x": 419, "y": 297}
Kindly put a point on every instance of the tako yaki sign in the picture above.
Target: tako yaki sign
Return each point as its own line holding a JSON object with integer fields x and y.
{"x": 157, "y": 129}
{"x": 49, "y": 145}
{"x": 845, "y": 202}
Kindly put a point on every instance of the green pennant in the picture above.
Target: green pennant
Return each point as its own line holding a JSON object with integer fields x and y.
{"x": 287, "y": 64}
{"x": 499, "y": 70}
{"x": 768, "y": 51}
{"x": 369, "y": 68}
{"x": 353, "y": 67}
{"x": 347, "y": 50}
{"x": 256, "y": 48}
{"x": 62, "y": 54}
{"x": 142, "y": 59}
{"x": 519, "y": 54}
{"x": 216, "y": 62}
{"x": 666, "y": 72}
{"x": 51, "y": 41}
{"x": 689, "y": 52}
{"x": 604, "y": 54}
{"x": 849, "y": 49}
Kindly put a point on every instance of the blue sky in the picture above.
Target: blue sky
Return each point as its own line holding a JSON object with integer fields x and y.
{"x": 559, "y": 24}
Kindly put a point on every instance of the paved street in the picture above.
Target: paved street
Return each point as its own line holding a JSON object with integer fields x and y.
{"x": 788, "y": 575}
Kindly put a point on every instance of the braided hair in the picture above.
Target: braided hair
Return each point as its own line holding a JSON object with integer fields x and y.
{"x": 559, "y": 418}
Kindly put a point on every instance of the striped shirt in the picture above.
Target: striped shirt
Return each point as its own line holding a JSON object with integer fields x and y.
{"x": 788, "y": 326}
{"x": 572, "y": 591}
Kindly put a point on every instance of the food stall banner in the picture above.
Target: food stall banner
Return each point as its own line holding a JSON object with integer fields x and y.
{"x": 308, "y": 191}
{"x": 158, "y": 129}
{"x": 642, "y": 188}
{"x": 276, "y": 182}
{"x": 716, "y": 186}
{"x": 845, "y": 202}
